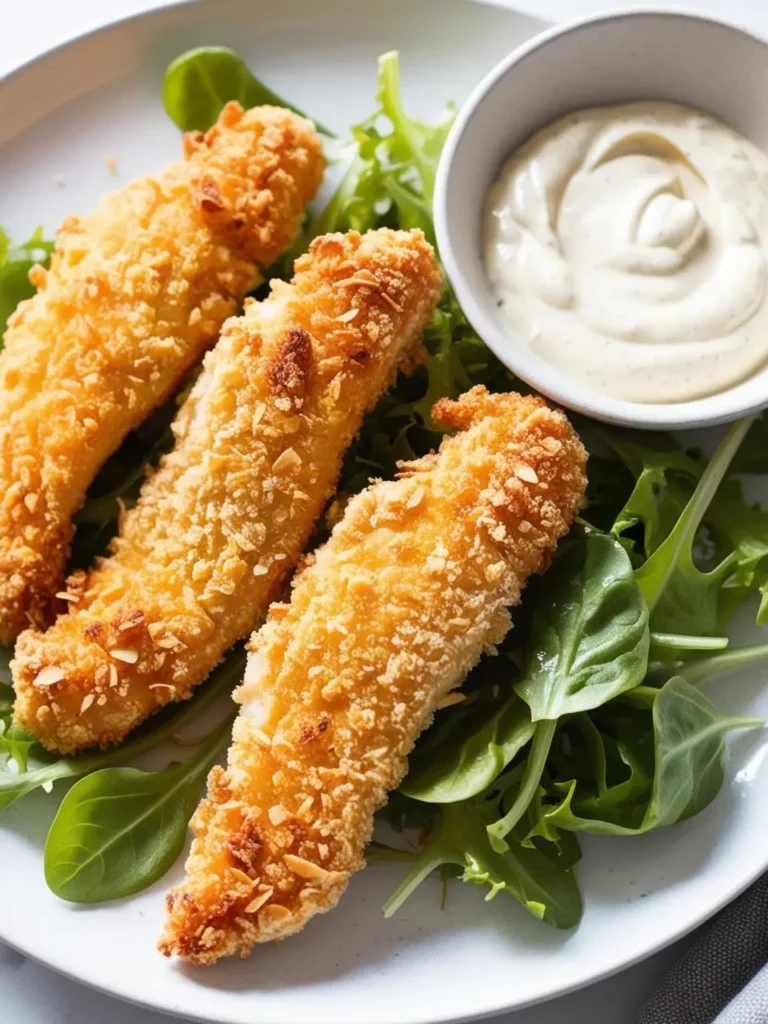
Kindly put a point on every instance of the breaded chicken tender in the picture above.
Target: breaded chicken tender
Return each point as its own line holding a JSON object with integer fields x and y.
{"x": 413, "y": 585}
{"x": 259, "y": 445}
{"x": 135, "y": 293}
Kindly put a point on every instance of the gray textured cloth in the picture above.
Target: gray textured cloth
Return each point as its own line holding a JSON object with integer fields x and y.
{"x": 723, "y": 978}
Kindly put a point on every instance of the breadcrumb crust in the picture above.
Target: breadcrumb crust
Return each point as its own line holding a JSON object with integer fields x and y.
{"x": 412, "y": 587}
{"x": 136, "y": 292}
{"x": 218, "y": 527}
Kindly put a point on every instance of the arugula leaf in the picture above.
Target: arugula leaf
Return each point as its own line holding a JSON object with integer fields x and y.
{"x": 16, "y": 261}
{"x": 412, "y": 144}
{"x": 740, "y": 536}
{"x": 118, "y": 830}
{"x": 689, "y": 768}
{"x": 682, "y": 598}
{"x": 540, "y": 883}
{"x": 199, "y": 82}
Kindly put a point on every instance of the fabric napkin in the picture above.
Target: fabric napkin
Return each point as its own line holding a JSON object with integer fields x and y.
{"x": 723, "y": 978}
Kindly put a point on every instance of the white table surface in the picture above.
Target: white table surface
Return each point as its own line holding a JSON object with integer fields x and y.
{"x": 31, "y": 994}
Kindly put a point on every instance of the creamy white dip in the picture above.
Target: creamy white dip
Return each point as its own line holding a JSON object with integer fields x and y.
{"x": 627, "y": 246}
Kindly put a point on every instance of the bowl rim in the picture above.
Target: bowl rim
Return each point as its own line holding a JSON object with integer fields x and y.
{"x": 540, "y": 375}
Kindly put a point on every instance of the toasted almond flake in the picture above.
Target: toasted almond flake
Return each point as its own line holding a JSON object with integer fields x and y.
{"x": 525, "y": 472}
{"x": 258, "y": 414}
{"x": 49, "y": 675}
{"x": 30, "y": 500}
{"x": 126, "y": 654}
{"x": 64, "y": 595}
{"x": 347, "y": 317}
{"x": 88, "y": 699}
{"x": 263, "y": 738}
{"x": 416, "y": 498}
{"x": 258, "y": 901}
{"x": 323, "y": 850}
{"x": 280, "y": 557}
{"x": 305, "y": 806}
{"x": 395, "y": 305}
{"x": 300, "y": 496}
{"x": 274, "y": 914}
{"x": 377, "y": 753}
{"x": 334, "y": 387}
{"x": 162, "y": 686}
{"x": 460, "y": 621}
{"x": 155, "y": 628}
{"x": 168, "y": 642}
{"x": 112, "y": 676}
{"x": 316, "y": 670}
{"x": 449, "y": 699}
{"x": 278, "y": 814}
{"x": 101, "y": 700}
{"x": 287, "y": 461}
{"x": 361, "y": 277}
{"x": 304, "y": 868}
{"x": 260, "y": 570}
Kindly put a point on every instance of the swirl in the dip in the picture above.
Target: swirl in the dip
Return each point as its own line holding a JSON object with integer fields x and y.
{"x": 627, "y": 246}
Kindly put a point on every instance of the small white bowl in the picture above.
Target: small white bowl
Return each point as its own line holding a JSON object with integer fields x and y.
{"x": 616, "y": 58}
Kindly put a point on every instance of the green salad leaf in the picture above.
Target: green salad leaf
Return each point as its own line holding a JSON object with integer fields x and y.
{"x": 16, "y": 261}
{"x": 48, "y": 768}
{"x": 588, "y": 642}
{"x": 201, "y": 81}
{"x": 545, "y": 887}
{"x": 588, "y": 720}
{"x": 687, "y": 771}
{"x": 589, "y": 638}
{"x": 119, "y": 829}
{"x": 462, "y": 757}
{"x": 680, "y": 596}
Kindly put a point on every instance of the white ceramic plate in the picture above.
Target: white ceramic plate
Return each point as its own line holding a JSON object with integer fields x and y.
{"x": 60, "y": 117}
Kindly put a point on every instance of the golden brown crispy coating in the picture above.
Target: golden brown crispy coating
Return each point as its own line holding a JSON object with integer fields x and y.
{"x": 136, "y": 292}
{"x": 412, "y": 587}
{"x": 225, "y": 518}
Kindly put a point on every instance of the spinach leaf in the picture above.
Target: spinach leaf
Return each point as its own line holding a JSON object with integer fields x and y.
{"x": 118, "y": 830}
{"x": 199, "y": 82}
{"x": 588, "y": 642}
{"x": 689, "y": 767}
{"x": 539, "y": 882}
{"x": 589, "y": 635}
{"x": 461, "y": 759}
